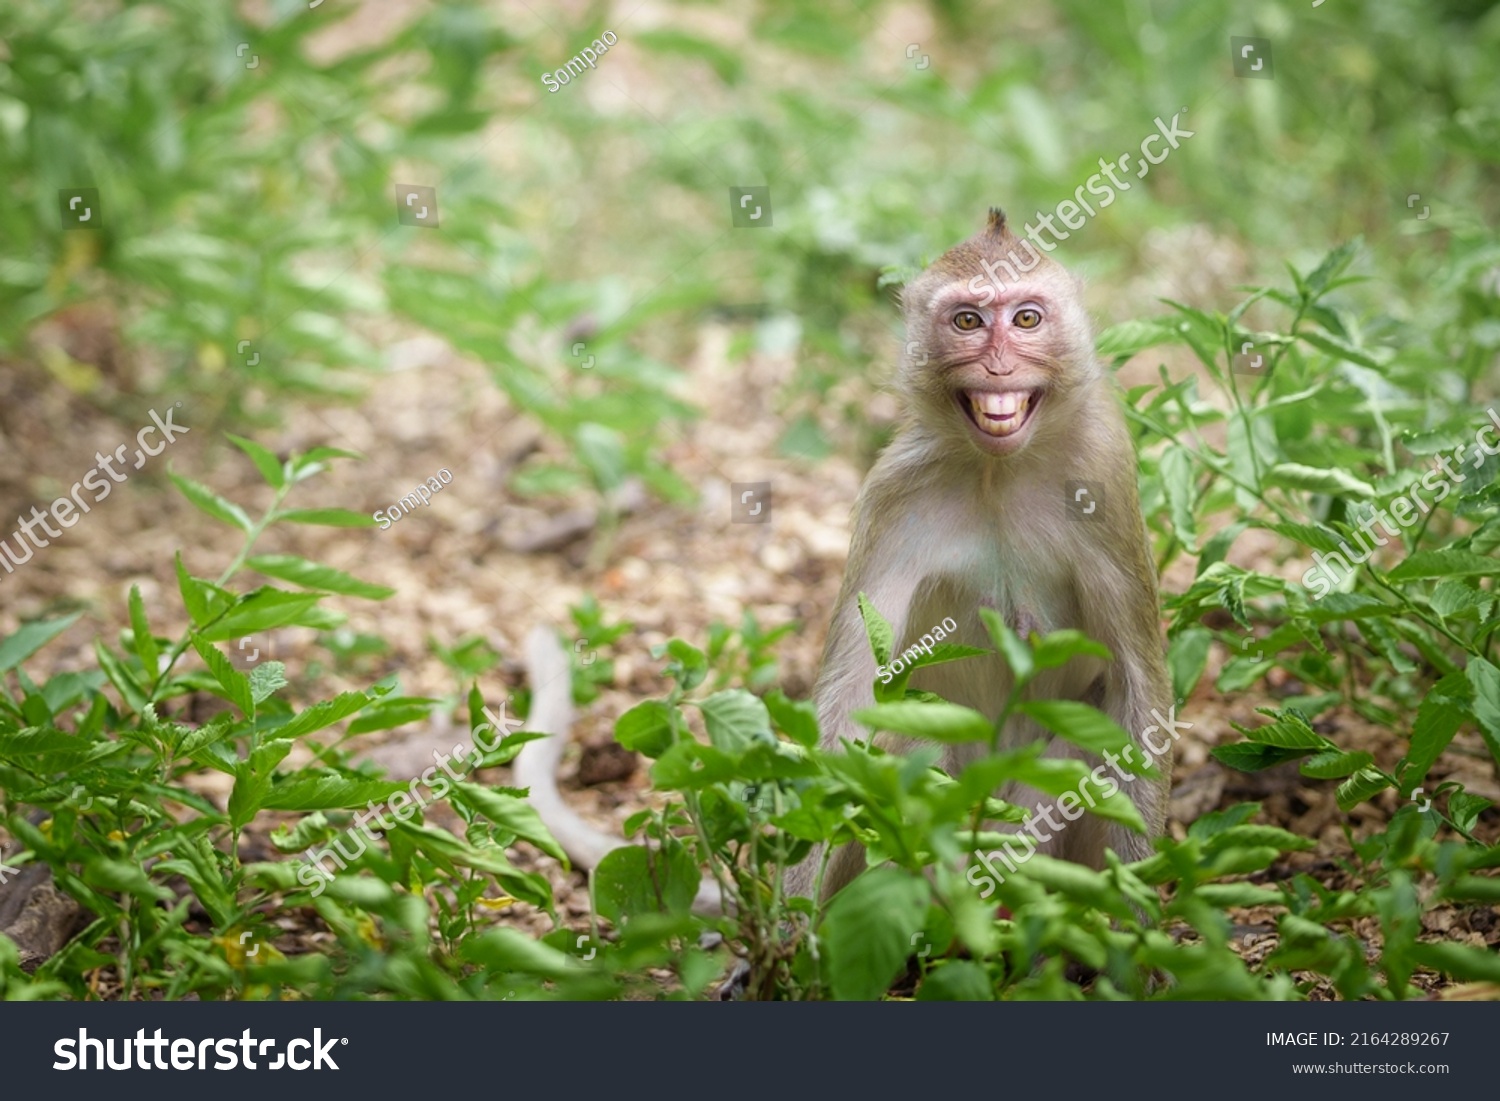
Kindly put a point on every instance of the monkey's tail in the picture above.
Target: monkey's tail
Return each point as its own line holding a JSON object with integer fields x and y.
{"x": 537, "y": 764}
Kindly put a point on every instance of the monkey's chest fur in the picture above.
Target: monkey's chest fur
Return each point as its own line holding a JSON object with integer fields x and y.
{"x": 1026, "y": 561}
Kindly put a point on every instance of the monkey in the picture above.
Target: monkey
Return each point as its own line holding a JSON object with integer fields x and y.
{"x": 1011, "y": 484}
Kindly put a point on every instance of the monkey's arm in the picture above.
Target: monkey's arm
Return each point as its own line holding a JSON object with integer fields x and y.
{"x": 885, "y": 564}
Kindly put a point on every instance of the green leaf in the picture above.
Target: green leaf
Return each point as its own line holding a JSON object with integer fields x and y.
{"x": 1336, "y": 763}
{"x": 260, "y": 611}
{"x": 309, "y": 831}
{"x": 1059, "y": 776}
{"x": 1016, "y": 653}
{"x": 940, "y": 722}
{"x": 736, "y": 720}
{"x": 512, "y": 814}
{"x": 1341, "y": 606}
{"x": 265, "y": 462}
{"x": 689, "y": 665}
{"x": 1341, "y": 349}
{"x": 1318, "y": 537}
{"x": 797, "y": 719}
{"x": 1465, "y": 809}
{"x": 196, "y": 741}
{"x": 1438, "y": 719}
{"x": 1253, "y": 757}
{"x": 122, "y": 677}
{"x": 330, "y": 791}
{"x": 121, "y": 876}
{"x": 1452, "y": 598}
{"x": 142, "y": 640}
{"x": 1187, "y": 658}
{"x": 1446, "y": 564}
{"x": 1218, "y": 545}
{"x": 328, "y": 517}
{"x": 1220, "y": 821}
{"x": 1177, "y": 481}
{"x": 690, "y": 766}
{"x": 324, "y": 714}
{"x": 253, "y": 780}
{"x": 1290, "y": 731}
{"x": 312, "y": 575}
{"x": 1243, "y": 837}
{"x": 266, "y": 679}
{"x": 647, "y": 728}
{"x": 43, "y": 749}
{"x": 196, "y": 594}
{"x": 1484, "y": 679}
{"x": 1458, "y": 961}
{"x": 878, "y": 630}
{"x": 32, "y": 637}
{"x": 235, "y": 684}
{"x": 1124, "y": 340}
{"x": 210, "y": 502}
{"x": 1361, "y": 786}
{"x": 504, "y": 950}
{"x": 632, "y": 880}
{"x": 452, "y": 853}
{"x": 1089, "y": 728}
{"x": 320, "y": 456}
{"x": 957, "y": 981}
{"x": 870, "y": 929}
{"x": 388, "y": 714}
{"x": 1061, "y": 647}
{"x": 1332, "y": 265}
{"x": 1314, "y": 479}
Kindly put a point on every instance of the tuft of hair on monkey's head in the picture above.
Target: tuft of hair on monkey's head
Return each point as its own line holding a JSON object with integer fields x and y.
{"x": 999, "y": 345}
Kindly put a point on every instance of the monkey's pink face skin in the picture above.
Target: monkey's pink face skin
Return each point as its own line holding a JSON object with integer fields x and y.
{"x": 995, "y": 359}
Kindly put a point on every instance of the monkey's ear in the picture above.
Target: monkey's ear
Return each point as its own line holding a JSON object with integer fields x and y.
{"x": 996, "y": 223}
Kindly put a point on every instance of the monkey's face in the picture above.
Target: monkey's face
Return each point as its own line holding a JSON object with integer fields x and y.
{"x": 999, "y": 343}
{"x": 996, "y": 361}
{"x": 1000, "y": 364}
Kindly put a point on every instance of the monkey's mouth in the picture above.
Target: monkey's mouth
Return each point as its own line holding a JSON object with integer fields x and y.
{"x": 999, "y": 415}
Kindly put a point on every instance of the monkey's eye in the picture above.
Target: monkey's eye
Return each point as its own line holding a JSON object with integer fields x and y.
{"x": 1027, "y": 318}
{"x": 967, "y": 321}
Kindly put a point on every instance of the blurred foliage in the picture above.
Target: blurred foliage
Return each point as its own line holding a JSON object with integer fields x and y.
{"x": 258, "y": 204}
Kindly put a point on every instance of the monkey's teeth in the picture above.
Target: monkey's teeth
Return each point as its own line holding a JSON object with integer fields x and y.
{"x": 999, "y": 414}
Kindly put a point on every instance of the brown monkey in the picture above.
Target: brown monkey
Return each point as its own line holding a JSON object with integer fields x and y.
{"x": 1012, "y": 485}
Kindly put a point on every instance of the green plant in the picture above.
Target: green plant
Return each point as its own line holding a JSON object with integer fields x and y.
{"x": 1413, "y": 624}
{"x": 175, "y": 909}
